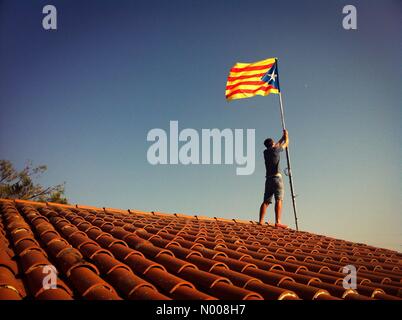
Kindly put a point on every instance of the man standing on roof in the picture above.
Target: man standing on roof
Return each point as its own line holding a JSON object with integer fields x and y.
{"x": 273, "y": 183}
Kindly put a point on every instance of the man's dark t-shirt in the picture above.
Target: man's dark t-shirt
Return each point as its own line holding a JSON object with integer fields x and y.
{"x": 272, "y": 157}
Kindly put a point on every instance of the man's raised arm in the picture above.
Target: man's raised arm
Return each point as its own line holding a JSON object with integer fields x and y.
{"x": 284, "y": 141}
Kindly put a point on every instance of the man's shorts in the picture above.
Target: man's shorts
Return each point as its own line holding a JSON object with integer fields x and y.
{"x": 273, "y": 187}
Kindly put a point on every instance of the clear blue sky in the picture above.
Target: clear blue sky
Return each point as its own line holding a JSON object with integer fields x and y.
{"x": 83, "y": 98}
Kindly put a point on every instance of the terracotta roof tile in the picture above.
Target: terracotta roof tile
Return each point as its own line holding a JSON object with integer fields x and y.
{"x": 54, "y": 294}
{"x": 91, "y": 286}
{"x": 34, "y": 281}
{"x": 104, "y": 253}
{"x": 9, "y": 281}
{"x": 271, "y": 292}
{"x": 7, "y": 262}
{"x": 226, "y": 291}
{"x": 9, "y": 293}
{"x": 187, "y": 293}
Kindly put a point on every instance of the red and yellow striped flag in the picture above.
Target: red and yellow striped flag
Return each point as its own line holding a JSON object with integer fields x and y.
{"x": 249, "y": 79}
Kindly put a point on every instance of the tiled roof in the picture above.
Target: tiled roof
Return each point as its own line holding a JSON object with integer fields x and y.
{"x": 116, "y": 254}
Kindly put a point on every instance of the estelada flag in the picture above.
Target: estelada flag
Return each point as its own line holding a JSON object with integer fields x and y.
{"x": 249, "y": 79}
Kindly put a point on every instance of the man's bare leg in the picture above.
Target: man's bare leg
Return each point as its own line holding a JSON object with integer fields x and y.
{"x": 278, "y": 214}
{"x": 278, "y": 211}
{"x": 263, "y": 209}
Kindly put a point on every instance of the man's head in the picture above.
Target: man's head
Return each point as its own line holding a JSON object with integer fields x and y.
{"x": 268, "y": 143}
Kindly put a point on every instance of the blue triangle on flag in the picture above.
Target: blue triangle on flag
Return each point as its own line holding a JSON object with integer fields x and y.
{"x": 272, "y": 76}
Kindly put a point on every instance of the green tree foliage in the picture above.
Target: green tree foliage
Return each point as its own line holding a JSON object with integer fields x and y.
{"x": 21, "y": 184}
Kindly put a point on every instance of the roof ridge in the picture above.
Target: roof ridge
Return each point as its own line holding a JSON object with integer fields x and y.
{"x": 128, "y": 211}
{"x": 136, "y": 211}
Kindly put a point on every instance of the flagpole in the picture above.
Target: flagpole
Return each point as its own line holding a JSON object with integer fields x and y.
{"x": 288, "y": 163}
{"x": 288, "y": 157}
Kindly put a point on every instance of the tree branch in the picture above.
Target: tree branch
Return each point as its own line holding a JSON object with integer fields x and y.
{"x": 47, "y": 190}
